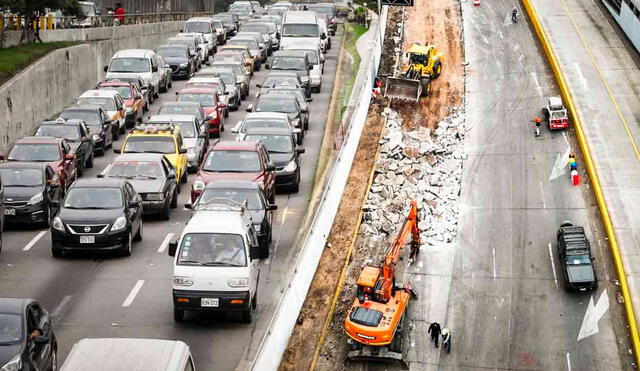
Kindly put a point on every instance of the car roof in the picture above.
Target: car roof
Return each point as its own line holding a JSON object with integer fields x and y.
{"x": 277, "y": 96}
{"x": 39, "y": 139}
{"x": 139, "y": 157}
{"x": 22, "y": 165}
{"x": 199, "y": 19}
{"x": 229, "y": 183}
{"x": 267, "y": 131}
{"x": 203, "y": 221}
{"x": 133, "y": 53}
{"x": 14, "y": 305}
{"x": 173, "y": 46}
{"x": 233, "y": 145}
{"x": 199, "y": 90}
{"x": 282, "y": 73}
{"x": 99, "y": 93}
{"x": 290, "y": 53}
{"x": 98, "y": 183}
{"x": 174, "y": 103}
{"x": 266, "y": 115}
{"x": 169, "y": 117}
{"x": 115, "y": 82}
{"x": 59, "y": 121}
{"x": 83, "y": 107}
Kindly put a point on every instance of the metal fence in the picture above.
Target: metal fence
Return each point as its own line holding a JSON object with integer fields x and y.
{"x": 157, "y": 6}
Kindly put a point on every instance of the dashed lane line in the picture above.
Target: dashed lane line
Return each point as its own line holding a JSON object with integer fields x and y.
{"x": 34, "y": 241}
{"x": 165, "y": 242}
{"x": 132, "y": 295}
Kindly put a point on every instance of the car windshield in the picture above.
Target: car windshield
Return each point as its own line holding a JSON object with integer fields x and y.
{"x": 251, "y": 44}
{"x": 150, "y": 144}
{"x": 235, "y": 67}
{"x": 200, "y": 27}
{"x": 90, "y": 118}
{"x": 228, "y": 78}
{"x": 187, "y": 129}
{"x": 93, "y": 198}
{"x": 578, "y": 259}
{"x": 35, "y": 152}
{"x": 288, "y": 63}
{"x": 130, "y": 65}
{"x": 218, "y": 23}
{"x": 107, "y": 103}
{"x": 280, "y": 80}
{"x": 124, "y": 91}
{"x": 266, "y": 123}
{"x": 274, "y": 143}
{"x": 322, "y": 10}
{"x": 215, "y": 249}
{"x": 205, "y": 100}
{"x": 10, "y": 328}
{"x": 136, "y": 169}
{"x": 169, "y": 52}
{"x": 232, "y": 162}
{"x": 558, "y": 114}
{"x": 227, "y": 57}
{"x": 21, "y": 177}
{"x": 69, "y": 132}
{"x": 178, "y": 109}
{"x": 300, "y": 30}
{"x": 252, "y": 196}
{"x": 276, "y": 105}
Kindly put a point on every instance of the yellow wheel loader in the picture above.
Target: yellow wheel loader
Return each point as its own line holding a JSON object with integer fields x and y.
{"x": 424, "y": 64}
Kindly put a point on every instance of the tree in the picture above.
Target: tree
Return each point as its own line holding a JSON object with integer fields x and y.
{"x": 32, "y": 10}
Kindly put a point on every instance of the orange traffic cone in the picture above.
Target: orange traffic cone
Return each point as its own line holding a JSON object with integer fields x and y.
{"x": 476, "y": 2}
{"x": 575, "y": 177}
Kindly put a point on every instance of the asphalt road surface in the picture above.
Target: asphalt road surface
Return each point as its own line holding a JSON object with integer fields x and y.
{"x": 87, "y": 295}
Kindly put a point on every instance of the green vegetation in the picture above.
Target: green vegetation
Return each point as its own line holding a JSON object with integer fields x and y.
{"x": 352, "y": 32}
{"x": 16, "y": 58}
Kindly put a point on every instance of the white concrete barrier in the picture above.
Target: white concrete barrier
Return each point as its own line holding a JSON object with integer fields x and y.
{"x": 281, "y": 326}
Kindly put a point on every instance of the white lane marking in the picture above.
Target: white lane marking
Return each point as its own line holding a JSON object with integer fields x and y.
{"x": 34, "y": 241}
{"x": 165, "y": 242}
{"x": 592, "y": 316}
{"x": 132, "y": 295}
{"x": 561, "y": 165}
{"x": 494, "y": 262}
{"x": 581, "y": 77}
{"x": 534, "y": 76}
{"x": 568, "y": 362}
{"x": 61, "y": 306}
{"x": 284, "y": 217}
{"x": 553, "y": 266}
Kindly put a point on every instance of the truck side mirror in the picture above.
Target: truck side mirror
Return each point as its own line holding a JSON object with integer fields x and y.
{"x": 173, "y": 246}
{"x": 254, "y": 252}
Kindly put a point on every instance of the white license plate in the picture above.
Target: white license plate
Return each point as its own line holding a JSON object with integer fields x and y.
{"x": 9, "y": 211}
{"x": 87, "y": 239}
{"x": 209, "y": 302}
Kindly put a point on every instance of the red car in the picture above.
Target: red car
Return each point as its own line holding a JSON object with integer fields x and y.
{"x": 134, "y": 101}
{"x": 232, "y": 160}
{"x": 55, "y": 152}
{"x": 211, "y": 105}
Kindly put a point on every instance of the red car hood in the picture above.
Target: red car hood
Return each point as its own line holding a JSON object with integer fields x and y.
{"x": 208, "y": 177}
{"x": 208, "y": 110}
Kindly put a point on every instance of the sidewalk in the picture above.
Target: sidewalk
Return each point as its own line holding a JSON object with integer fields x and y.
{"x": 605, "y": 85}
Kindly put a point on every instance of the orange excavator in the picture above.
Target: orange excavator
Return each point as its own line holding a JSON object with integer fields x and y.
{"x": 375, "y": 320}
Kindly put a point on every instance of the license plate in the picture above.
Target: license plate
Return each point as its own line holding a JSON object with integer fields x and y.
{"x": 209, "y": 302}
{"x": 87, "y": 239}
{"x": 9, "y": 211}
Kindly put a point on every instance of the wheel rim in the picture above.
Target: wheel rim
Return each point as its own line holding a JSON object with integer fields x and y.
{"x": 54, "y": 361}
{"x": 141, "y": 228}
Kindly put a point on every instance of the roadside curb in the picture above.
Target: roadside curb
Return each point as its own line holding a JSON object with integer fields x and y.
{"x": 597, "y": 190}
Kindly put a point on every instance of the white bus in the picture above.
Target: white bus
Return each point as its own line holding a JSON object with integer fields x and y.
{"x": 627, "y": 14}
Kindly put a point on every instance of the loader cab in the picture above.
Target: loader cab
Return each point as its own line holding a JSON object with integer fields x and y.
{"x": 416, "y": 58}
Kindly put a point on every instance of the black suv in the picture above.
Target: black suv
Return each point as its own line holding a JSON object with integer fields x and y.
{"x": 574, "y": 251}
{"x": 78, "y": 136}
{"x": 97, "y": 119}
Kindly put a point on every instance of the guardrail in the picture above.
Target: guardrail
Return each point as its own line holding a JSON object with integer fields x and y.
{"x": 281, "y": 326}
{"x": 54, "y": 22}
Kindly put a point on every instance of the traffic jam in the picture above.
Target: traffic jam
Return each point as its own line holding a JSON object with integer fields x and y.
{"x": 205, "y": 136}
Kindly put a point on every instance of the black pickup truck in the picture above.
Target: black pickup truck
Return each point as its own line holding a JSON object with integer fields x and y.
{"x": 574, "y": 251}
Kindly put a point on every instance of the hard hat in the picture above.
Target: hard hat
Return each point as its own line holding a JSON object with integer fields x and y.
{"x": 537, "y": 119}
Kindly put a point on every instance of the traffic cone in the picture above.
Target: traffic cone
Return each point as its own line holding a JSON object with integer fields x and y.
{"x": 476, "y": 2}
{"x": 575, "y": 177}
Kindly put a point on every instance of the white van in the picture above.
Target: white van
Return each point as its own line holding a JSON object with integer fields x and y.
{"x": 301, "y": 26}
{"x": 215, "y": 268}
{"x": 205, "y": 26}
{"x": 109, "y": 354}
{"x": 136, "y": 62}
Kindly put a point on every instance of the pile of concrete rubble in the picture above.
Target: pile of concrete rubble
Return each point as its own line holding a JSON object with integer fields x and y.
{"x": 422, "y": 166}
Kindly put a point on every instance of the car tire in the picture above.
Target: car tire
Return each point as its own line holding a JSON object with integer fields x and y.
{"x": 89, "y": 163}
{"x": 140, "y": 234}
{"x": 264, "y": 251}
{"x": 174, "y": 199}
{"x": 126, "y": 249}
{"x": 247, "y": 315}
{"x": 114, "y": 136}
{"x": 99, "y": 152}
{"x": 317, "y": 89}
{"x": 296, "y": 187}
{"x": 46, "y": 222}
{"x": 54, "y": 359}
{"x": 306, "y": 125}
{"x": 166, "y": 211}
{"x": 183, "y": 179}
{"x": 178, "y": 315}
{"x": 80, "y": 169}
{"x": 56, "y": 253}
{"x": 164, "y": 88}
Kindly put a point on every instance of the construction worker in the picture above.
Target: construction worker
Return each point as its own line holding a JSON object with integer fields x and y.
{"x": 434, "y": 330}
{"x": 514, "y": 15}
{"x": 446, "y": 339}
{"x": 572, "y": 161}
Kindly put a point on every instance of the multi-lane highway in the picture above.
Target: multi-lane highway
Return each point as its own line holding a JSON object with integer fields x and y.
{"x": 104, "y": 296}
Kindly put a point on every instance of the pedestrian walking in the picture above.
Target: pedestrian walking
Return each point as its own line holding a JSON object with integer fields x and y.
{"x": 446, "y": 339}
{"x": 434, "y": 330}
{"x": 120, "y": 14}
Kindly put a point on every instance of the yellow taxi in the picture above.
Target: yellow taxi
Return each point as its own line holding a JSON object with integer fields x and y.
{"x": 248, "y": 60}
{"x": 159, "y": 138}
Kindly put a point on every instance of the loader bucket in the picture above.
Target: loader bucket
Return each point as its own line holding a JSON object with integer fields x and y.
{"x": 402, "y": 88}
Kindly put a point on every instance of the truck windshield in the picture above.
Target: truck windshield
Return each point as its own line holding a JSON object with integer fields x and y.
{"x": 213, "y": 249}
{"x": 300, "y": 30}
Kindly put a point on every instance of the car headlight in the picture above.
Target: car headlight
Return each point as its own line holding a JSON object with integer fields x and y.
{"x": 238, "y": 282}
{"x": 291, "y": 166}
{"x": 96, "y": 137}
{"x": 183, "y": 65}
{"x": 155, "y": 196}
{"x": 14, "y": 364}
{"x": 198, "y": 185}
{"x": 35, "y": 199}
{"x": 57, "y": 224}
{"x": 182, "y": 281}
{"x": 120, "y": 223}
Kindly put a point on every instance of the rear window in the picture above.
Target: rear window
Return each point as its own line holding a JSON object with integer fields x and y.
{"x": 200, "y": 27}
{"x": 205, "y": 100}
{"x": 232, "y": 162}
{"x": 10, "y": 328}
{"x": 288, "y": 63}
{"x": 300, "y": 30}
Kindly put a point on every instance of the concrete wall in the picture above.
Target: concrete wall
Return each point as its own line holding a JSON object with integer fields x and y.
{"x": 55, "y": 81}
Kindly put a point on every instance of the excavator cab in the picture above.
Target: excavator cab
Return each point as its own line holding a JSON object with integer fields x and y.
{"x": 367, "y": 282}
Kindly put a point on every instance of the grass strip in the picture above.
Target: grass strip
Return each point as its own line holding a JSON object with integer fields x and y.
{"x": 16, "y": 58}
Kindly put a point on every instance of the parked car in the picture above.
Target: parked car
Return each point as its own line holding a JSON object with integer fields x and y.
{"x": 55, "y": 152}
{"x": 111, "y": 101}
{"x": 574, "y": 251}
{"x": 32, "y": 192}
{"x": 77, "y": 135}
{"x": 180, "y": 61}
{"x": 98, "y": 215}
{"x": 99, "y": 124}
{"x": 284, "y": 153}
{"x": 239, "y": 161}
{"x": 213, "y": 108}
{"x": 152, "y": 177}
{"x": 134, "y": 63}
{"x": 29, "y": 341}
{"x": 195, "y": 137}
{"x": 134, "y": 102}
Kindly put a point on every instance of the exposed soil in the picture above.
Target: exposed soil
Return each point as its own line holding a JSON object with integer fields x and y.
{"x": 302, "y": 344}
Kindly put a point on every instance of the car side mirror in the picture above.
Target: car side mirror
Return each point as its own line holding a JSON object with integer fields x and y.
{"x": 117, "y": 150}
{"x": 309, "y": 99}
{"x": 267, "y": 66}
{"x": 188, "y": 205}
{"x": 173, "y": 247}
{"x": 154, "y": 68}
{"x": 271, "y": 167}
{"x": 323, "y": 36}
{"x": 106, "y": 68}
{"x": 54, "y": 184}
{"x": 272, "y": 207}
{"x": 41, "y": 340}
{"x": 208, "y": 118}
{"x": 202, "y": 136}
{"x": 182, "y": 150}
{"x": 250, "y": 108}
{"x": 310, "y": 67}
{"x": 198, "y": 49}
{"x": 1, "y": 156}
{"x": 300, "y": 150}
{"x": 235, "y": 129}
{"x": 177, "y": 93}
{"x": 134, "y": 203}
{"x": 254, "y": 252}
{"x": 278, "y": 35}
{"x": 69, "y": 157}
{"x": 171, "y": 176}
{"x": 258, "y": 85}
{"x": 304, "y": 110}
